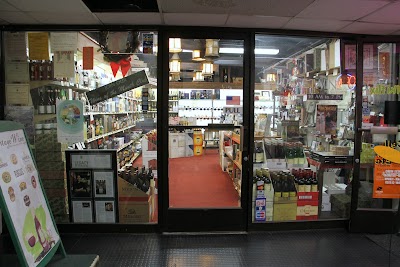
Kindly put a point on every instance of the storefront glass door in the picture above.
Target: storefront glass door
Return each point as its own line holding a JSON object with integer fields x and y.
{"x": 376, "y": 181}
{"x": 205, "y": 134}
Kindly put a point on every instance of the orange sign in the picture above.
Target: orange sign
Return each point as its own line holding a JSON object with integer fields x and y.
{"x": 386, "y": 179}
{"x": 88, "y": 58}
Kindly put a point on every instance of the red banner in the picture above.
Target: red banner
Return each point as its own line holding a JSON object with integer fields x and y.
{"x": 88, "y": 58}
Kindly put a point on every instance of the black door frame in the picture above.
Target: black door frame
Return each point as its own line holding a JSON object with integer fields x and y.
{"x": 379, "y": 221}
{"x": 194, "y": 220}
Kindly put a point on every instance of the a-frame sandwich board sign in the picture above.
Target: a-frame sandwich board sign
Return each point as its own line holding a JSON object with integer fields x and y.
{"x": 23, "y": 202}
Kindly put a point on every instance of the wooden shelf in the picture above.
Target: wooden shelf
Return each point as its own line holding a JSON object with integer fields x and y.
{"x": 131, "y": 161}
{"x": 229, "y": 154}
{"x": 217, "y": 85}
{"x": 110, "y": 113}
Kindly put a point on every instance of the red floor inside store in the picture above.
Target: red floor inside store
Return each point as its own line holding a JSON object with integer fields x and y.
{"x": 199, "y": 182}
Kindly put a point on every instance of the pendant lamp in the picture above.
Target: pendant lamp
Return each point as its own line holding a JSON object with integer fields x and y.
{"x": 175, "y": 45}
{"x": 208, "y": 69}
{"x": 196, "y": 56}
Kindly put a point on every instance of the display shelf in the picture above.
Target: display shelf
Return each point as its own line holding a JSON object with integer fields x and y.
{"x": 229, "y": 154}
{"x": 35, "y": 84}
{"x": 109, "y": 113}
{"x": 132, "y": 160}
{"x": 175, "y": 100}
{"x": 108, "y": 134}
{"x": 215, "y": 85}
{"x": 126, "y": 145}
{"x": 43, "y": 117}
{"x": 235, "y": 139}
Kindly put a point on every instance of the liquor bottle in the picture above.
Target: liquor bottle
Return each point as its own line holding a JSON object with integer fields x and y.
{"x": 42, "y": 103}
{"x": 259, "y": 152}
{"x": 48, "y": 100}
{"x": 285, "y": 187}
{"x": 292, "y": 187}
{"x": 314, "y": 185}
{"x": 40, "y": 233}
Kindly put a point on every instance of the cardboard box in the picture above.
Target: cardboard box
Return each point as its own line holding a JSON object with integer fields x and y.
{"x": 326, "y": 204}
{"x": 150, "y": 162}
{"x": 148, "y": 148}
{"x": 189, "y": 151}
{"x": 307, "y": 206}
{"x": 276, "y": 164}
{"x": 285, "y": 210}
{"x": 177, "y": 152}
{"x": 134, "y": 205}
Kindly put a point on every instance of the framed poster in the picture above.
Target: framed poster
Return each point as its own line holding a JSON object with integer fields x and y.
{"x": 326, "y": 119}
{"x": 103, "y": 183}
{"x": 81, "y": 183}
{"x": 105, "y": 211}
{"x": 82, "y": 211}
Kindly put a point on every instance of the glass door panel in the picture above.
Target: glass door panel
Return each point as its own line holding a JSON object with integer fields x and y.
{"x": 205, "y": 115}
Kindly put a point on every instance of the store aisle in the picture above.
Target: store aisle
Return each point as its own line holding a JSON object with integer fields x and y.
{"x": 198, "y": 181}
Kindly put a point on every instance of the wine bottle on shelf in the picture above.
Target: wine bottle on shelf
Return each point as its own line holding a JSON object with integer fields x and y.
{"x": 42, "y": 104}
{"x": 48, "y": 100}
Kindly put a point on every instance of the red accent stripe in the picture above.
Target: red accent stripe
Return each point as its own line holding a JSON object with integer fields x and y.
{"x": 133, "y": 198}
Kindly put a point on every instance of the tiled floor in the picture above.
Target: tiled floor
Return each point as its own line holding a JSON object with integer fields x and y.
{"x": 296, "y": 248}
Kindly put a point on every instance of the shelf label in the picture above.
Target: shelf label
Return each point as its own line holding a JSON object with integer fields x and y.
{"x": 118, "y": 87}
{"x": 91, "y": 161}
{"x": 324, "y": 97}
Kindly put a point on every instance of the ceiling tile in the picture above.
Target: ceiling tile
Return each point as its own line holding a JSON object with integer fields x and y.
{"x": 196, "y": 6}
{"x": 50, "y": 5}
{"x": 279, "y": 8}
{"x": 387, "y": 14}
{"x": 316, "y": 24}
{"x": 130, "y": 18}
{"x": 65, "y": 18}
{"x": 3, "y": 22}
{"x": 341, "y": 9}
{"x": 195, "y": 19}
{"x": 245, "y": 21}
{"x": 17, "y": 17}
{"x": 5, "y": 6}
{"x": 370, "y": 28}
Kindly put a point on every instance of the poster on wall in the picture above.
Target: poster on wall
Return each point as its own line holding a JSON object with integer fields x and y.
{"x": 63, "y": 41}
{"x": 64, "y": 64}
{"x": 105, "y": 211}
{"x": 103, "y": 185}
{"x": 15, "y": 46}
{"x": 22, "y": 199}
{"x": 82, "y": 211}
{"x": 38, "y": 45}
{"x": 70, "y": 121}
{"x": 148, "y": 40}
{"x": 386, "y": 179}
{"x": 326, "y": 120}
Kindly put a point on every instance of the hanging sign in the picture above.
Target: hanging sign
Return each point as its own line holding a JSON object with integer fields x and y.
{"x": 70, "y": 121}
{"x": 22, "y": 200}
{"x": 386, "y": 179}
{"x": 118, "y": 87}
{"x": 324, "y": 97}
{"x": 88, "y": 58}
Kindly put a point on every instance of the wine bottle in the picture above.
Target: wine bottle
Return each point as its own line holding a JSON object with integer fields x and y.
{"x": 40, "y": 233}
{"x": 42, "y": 105}
{"x": 48, "y": 100}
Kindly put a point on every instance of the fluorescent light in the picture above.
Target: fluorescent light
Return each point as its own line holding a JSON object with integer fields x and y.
{"x": 257, "y": 51}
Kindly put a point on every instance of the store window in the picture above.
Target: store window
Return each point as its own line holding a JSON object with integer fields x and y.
{"x": 304, "y": 130}
{"x": 205, "y": 118}
{"x": 380, "y": 113}
{"x": 88, "y": 104}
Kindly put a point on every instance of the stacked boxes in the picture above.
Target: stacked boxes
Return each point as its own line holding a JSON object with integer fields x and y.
{"x": 135, "y": 206}
{"x": 177, "y": 145}
{"x": 307, "y": 206}
{"x": 149, "y": 151}
{"x": 50, "y": 162}
{"x": 189, "y": 151}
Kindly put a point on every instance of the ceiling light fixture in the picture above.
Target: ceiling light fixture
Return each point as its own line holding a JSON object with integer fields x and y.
{"x": 175, "y": 64}
{"x": 208, "y": 69}
{"x": 257, "y": 51}
{"x": 212, "y": 48}
{"x": 196, "y": 56}
{"x": 175, "y": 45}
{"x": 198, "y": 76}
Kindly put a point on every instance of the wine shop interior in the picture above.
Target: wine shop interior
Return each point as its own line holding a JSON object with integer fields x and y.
{"x": 278, "y": 146}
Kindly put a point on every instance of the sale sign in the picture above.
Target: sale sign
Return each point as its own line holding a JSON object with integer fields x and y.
{"x": 386, "y": 179}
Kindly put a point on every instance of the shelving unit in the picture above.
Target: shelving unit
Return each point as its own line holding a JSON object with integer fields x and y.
{"x": 111, "y": 113}
{"x": 108, "y": 134}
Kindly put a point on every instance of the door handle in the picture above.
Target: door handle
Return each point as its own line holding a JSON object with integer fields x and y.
{"x": 245, "y": 158}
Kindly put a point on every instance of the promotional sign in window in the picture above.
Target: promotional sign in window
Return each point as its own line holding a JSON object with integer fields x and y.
{"x": 386, "y": 179}
{"x": 23, "y": 202}
{"x": 70, "y": 121}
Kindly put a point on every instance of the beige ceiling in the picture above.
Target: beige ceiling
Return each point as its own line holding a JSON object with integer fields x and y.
{"x": 347, "y": 16}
